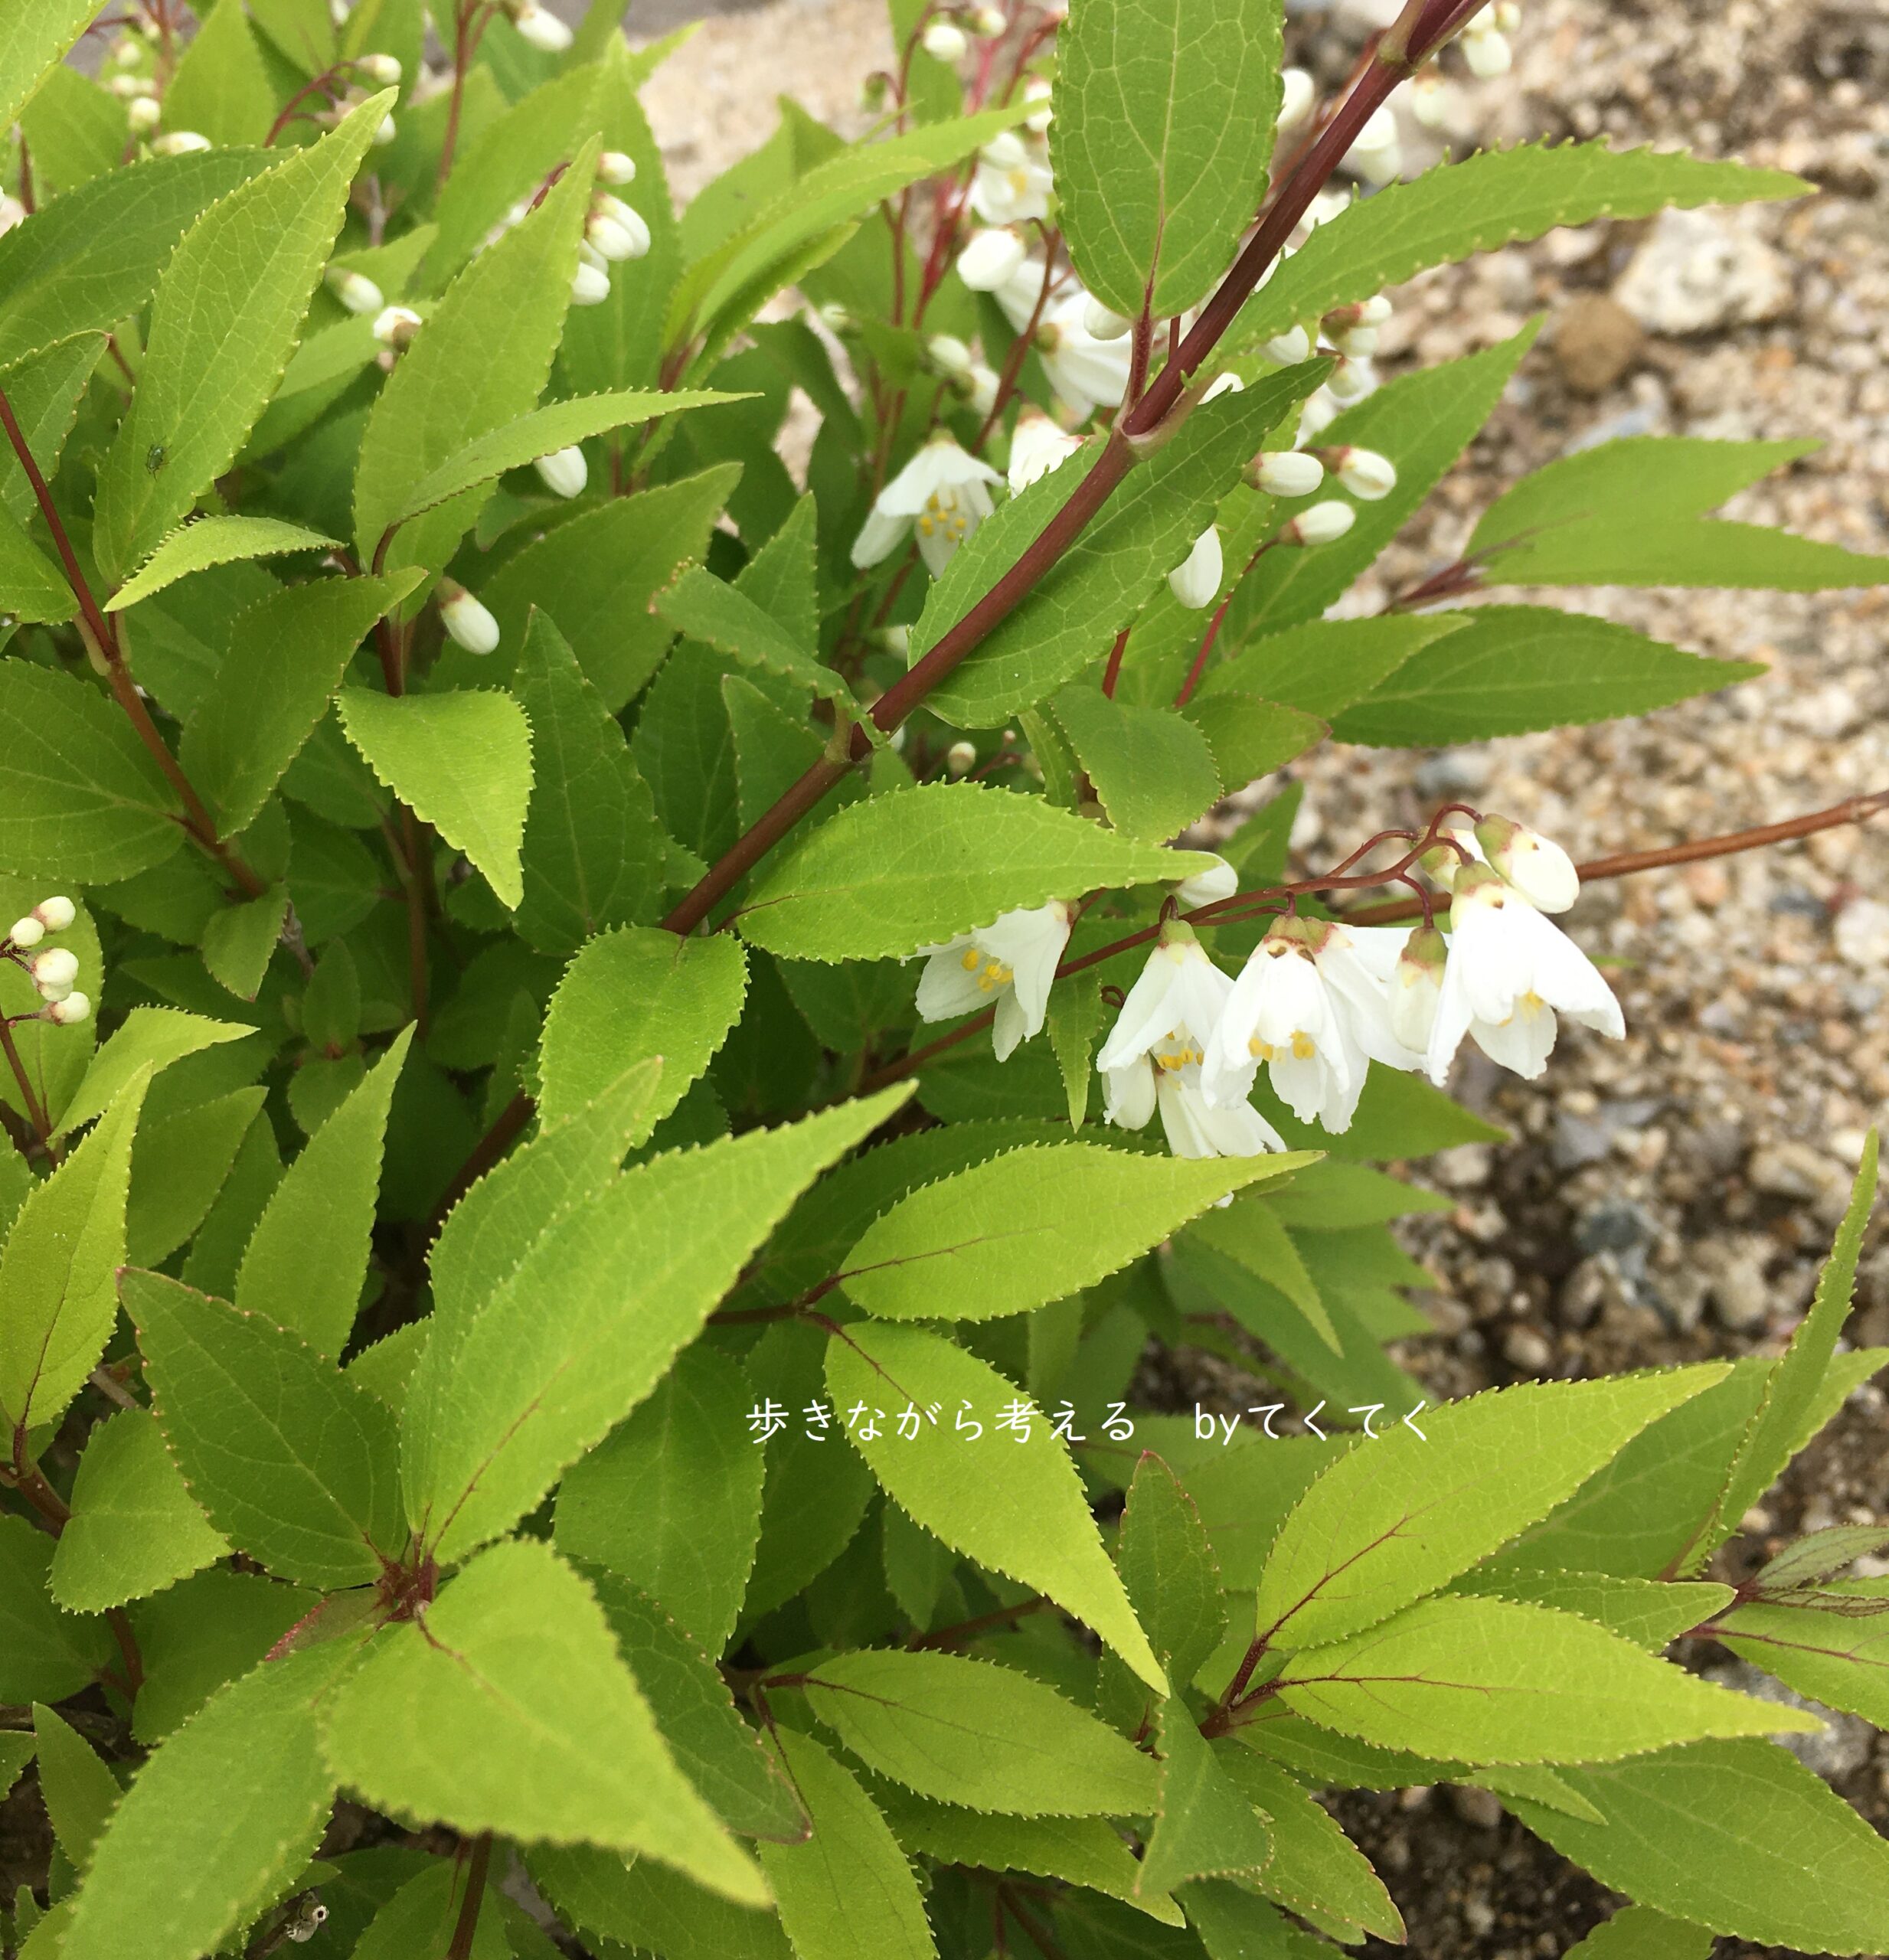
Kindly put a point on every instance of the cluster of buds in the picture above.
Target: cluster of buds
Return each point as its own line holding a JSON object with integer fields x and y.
{"x": 970, "y": 380}
{"x": 947, "y": 36}
{"x": 613, "y": 233}
{"x": 52, "y": 969}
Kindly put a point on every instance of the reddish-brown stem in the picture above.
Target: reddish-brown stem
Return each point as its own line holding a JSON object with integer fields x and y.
{"x": 506, "y": 1126}
{"x": 467, "y": 1927}
{"x": 952, "y": 1636}
{"x": 1199, "y": 668}
{"x": 35, "y": 1109}
{"x": 1112, "y": 673}
{"x": 465, "y": 39}
{"x": 1020, "y": 347}
{"x": 120, "y": 1625}
{"x": 29, "y": 1481}
{"x": 27, "y": 204}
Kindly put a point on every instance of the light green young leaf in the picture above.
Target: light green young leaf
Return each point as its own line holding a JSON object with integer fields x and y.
{"x": 293, "y": 1462}
{"x": 1011, "y": 1233}
{"x": 58, "y": 1274}
{"x": 1491, "y": 199}
{"x": 1638, "y": 1933}
{"x": 512, "y": 1711}
{"x": 1321, "y": 666}
{"x": 79, "y": 1792}
{"x": 1384, "y": 1526}
{"x": 1202, "y": 1826}
{"x": 1163, "y": 131}
{"x": 899, "y": 872}
{"x": 1248, "y": 735}
{"x": 287, "y": 654}
{"x": 1154, "y": 770}
{"x": 1168, "y": 1566}
{"x": 221, "y": 88}
{"x": 631, "y": 995}
{"x": 80, "y": 796}
{"x": 582, "y": 1330}
{"x": 135, "y": 1528}
{"x": 1776, "y": 1430}
{"x": 147, "y": 1037}
{"x": 1737, "y": 1836}
{"x": 1652, "y": 1614}
{"x": 1074, "y": 1022}
{"x": 238, "y": 941}
{"x": 46, "y": 1654}
{"x": 1019, "y": 1511}
{"x": 31, "y": 40}
{"x": 461, "y": 761}
{"x": 985, "y": 1737}
{"x": 1819, "y": 1555}
{"x": 848, "y": 1890}
{"x": 182, "y": 1865}
{"x": 1512, "y": 668}
{"x": 226, "y": 316}
{"x": 213, "y": 540}
{"x": 1232, "y": 1923}
{"x": 1251, "y": 1236}
{"x": 723, "y": 617}
{"x": 1496, "y": 1682}
{"x": 672, "y": 1498}
{"x": 327, "y": 1200}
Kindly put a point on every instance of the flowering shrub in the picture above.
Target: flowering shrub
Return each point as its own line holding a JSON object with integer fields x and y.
{"x": 539, "y": 1340}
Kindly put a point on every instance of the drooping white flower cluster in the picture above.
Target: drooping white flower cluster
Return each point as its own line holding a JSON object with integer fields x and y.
{"x": 1316, "y": 1004}
{"x": 53, "y": 970}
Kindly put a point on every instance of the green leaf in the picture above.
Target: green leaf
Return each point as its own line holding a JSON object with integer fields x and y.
{"x": 900, "y": 872}
{"x": 1737, "y": 1836}
{"x": 43, "y": 389}
{"x": 1512, "y": 668}
{"x": 544, "y": 431}
{"x": 295, "y": 646}
{"x": 461, "y": 762}
{"x": 1638, "y": 1933}
{"x": 1249, "y": 736}
{"x": 46, "y": 1654}
{"x": 181, "y": 1866}
{"x": 1832, "y": 1645}
{"x": 221, "y": 88}
{"x": 480, "y": 362}
{"x": 1651, "y": 1614}
{"x": 1252, "y": 1236}
{"x": 631, "y": 995}
{"x": 422, "y": 1915}
{"x": 672, "y": 1498}
{"x": 80, "y": 1793}
{"x": 578, "y": 1335}
{"x": 16, "y": 1751}
{"x": 135, "y": 1528}
{"x": 1029, "y": 1226}
{"x": 1098, "y": 586}
{"x": 1322, "y": 666}
{"x": 1233, "y": 1925}
{"x": 847, "y": 1891}
{"x": 1818, "y": 1554}
{"x": 1776, "y": 1429}
{"x": 80, "y": 797}
{"x": 238, "y": 941}
{"x": 649, "y": 1907}
{"x": 1490, "y": 199}
{"x": 293, "y": 1462}
{"x": 1163, "y": 132}
{"x": 986, "y": 1737}
{"x": 1012, "y": 1502}
{"x": 327, "y": 1200}
{"x": 226, "y": 318}
{"x": 147, "y": 1037}
{"x": 213, "y": 540}
{"x": 202, "y": 1633}
{"x": 1168, "y": 1566}
{"x": 597, "y": 573}
{"x": 1202, "y": 1825}
{"x": 512, "y": 1711}
{"x": 1074, "y": 1022}
{"x": 32, "y": 588}
{"x": 1385, "y": 1525}
{"x": 592, "y": 852}
{"x": 1154, "y": 770}
{"x": 1496, "y": 1682}
{"x": 725, "y": 618}
{"x": 31, "y": 40}
{"x": 58, "y": 1293}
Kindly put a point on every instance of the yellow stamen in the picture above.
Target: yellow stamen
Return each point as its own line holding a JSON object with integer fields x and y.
{"x": 1303, "y": 1046}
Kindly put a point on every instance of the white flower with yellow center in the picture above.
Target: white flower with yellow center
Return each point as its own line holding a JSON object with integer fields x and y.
{"x": 1510, "y": 973}
{"x": 1012, "y": 184}
{"x": 1152, "y": 1057}
{"x": 1280, "y": 1016}
{"x": 943, "y": 491}
{"x": 1009, "y": 965}
{"x": 1086, "y": 373}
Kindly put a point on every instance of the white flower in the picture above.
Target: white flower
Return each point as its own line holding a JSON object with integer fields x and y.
{"x": 181, "y": 142}
{"x": 143, "y": 114}
{"x": 1018, "y": 294}
{"x": 1227, "y": 383}
{"x": 54, "y": 971}
{"x": 991, "y": 257}
{"x": 1364, "y": 472}
{"x": 1286, "y": 473}
{"x": 26, "y": 932}
{"x": 1536, "y": 865}
{"x": 1488, "y": 53}
{"x": 384, "y": 70}
{"x": 1279, "y": 1015}
{"x": 1510, "y": 971}
{"x": 1086, "y": 373}
{"x": 1319, "y": 523}
{"x": 564, "y": 471}
{"x": 55, "y": 914}
{"x": 1207, "y": 887}
{"x": 589, "y": 285}
{"x": 961, "y": 759}
{"x": 467, "y": 623}
{"x": 1289, "y": 348}
{"x": 616, "y": 167}
{"x": 12, "y": 212}
{"x": 1103, "y": 322}
{"x": 68, "y": 1013}
{"x": 130, "y": 88}
{"x": 1352, "y": 377}
{"x": 396, "y": 326}
{"x": 1318, "y": 415}
{"x": 538, "y": 29}
{"x": 1296, "y": 98}
{"x": 944, "y": 490}
{"x": 949, "y": 354}
{"x": 1012, "y": 183}
{"x": 1196, "y": 583}
{"x": 1009, "y": 965}
{"x": 1037, "y": 447}
{"x": 1428, "y": 103}
{"x": 944, "y": 40}
{"x": 1152, "y": 1057}
{"x": 988, "y": 24}
{"x": 355, "y": 291}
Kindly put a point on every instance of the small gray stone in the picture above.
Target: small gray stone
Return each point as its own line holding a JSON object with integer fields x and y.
{"x": 1453, "y": 773}
{"x": 1483, "y": 1808}
{"x": 1842, "y": 1748}
{"x": 1523, "y": 1348}
{"x": 1582, "y": 1294}
{"x": 1614, "y": 1225}
{"x": 1741, "y": 1298}
{"x": 1697, "y": 272}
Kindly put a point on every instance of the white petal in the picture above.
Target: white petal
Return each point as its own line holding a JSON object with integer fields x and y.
{"x": 1523, "y": 1043}
{"x": 946, "y": 988}
{"x": 1240, "y": 1131}
{"x": 1129, "y": 1095}
{"x": 1010, "y": 1026}
{"x": 1146, "y": 1014}
{"x": 1453, "y": 1020}
{"x": 1183, "y": 1117}
{"x": 879, "y": 536}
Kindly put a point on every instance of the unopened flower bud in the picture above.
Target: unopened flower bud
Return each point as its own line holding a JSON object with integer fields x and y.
{"x": 384, "y": 70}
{"x": 1351, "y": 379}
{"x": 1038, "y": 90}
{"x": 589, "y": 255}
{"x": 1321, "y": 525}
{"x": 385, "y": 132}
{"x": 127, "y": 53}
{"x": 1535, "y": 865}
{"x": 395, "y": 326}
{"x": 1103, "y": 322}
{"x": 55, "y": 914}
{"x": 1296, "y": 99}
{"x": 12, "y": 212}
{"x": 991, "y": 259}
{"x": 130, "y": 88}
{"x": 144, "y": 115}
{"x": 944, "y": 40}
{"x": 181, "y": 142}
{"x": 1286, "y": 473}
{"x": 1488, "y": 54}
{"x": 564, "y": 472}
{"x": 355, "y": 291}
{"x": 988, "y": 24}
{"x": 538, "y": 28}
{"x": 983, "y": 383}
{"x": 1195, "y": 584}
{"x": 949, "y": 354}
{"x": 1289, "y": 348}
{"x": 835, "y": 317}
{"x": 590, "y": 286}
{"x": 1225, "y": 383}
{"x": 1207, "y": 887}
{"x": 615, "y": 168}
{"x": 1416, "y": 986}
{"x": 961, "y": 758}
{"x": 54, "y": 971}
{"x": 1364, "y": 472}
{"x": 1428, "y": 103}
{"x": 1318, "y": 415}
{"x": 26, "y": 933}
{"x": 467, "y": 623}
{"x": 614, "y": 211}
{"x": 69, "y": 1012}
